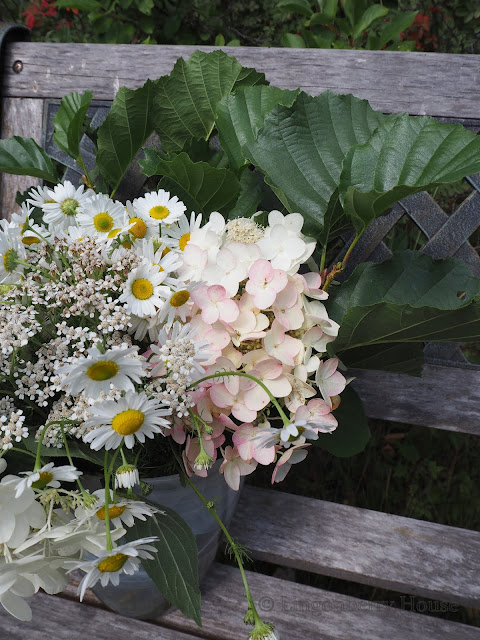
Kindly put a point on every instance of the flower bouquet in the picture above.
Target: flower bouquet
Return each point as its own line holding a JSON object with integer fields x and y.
{"x": 198, "y": 319}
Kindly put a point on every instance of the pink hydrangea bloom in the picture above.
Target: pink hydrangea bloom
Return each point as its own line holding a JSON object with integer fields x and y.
{"x": 329, "y": 381}
{"x": 265, "y": 282}
{"x": 250, "y": 449}
{"x": 234, "y": 467}
{"x": 295, "y": 454}
{"x": 215, "y": 304}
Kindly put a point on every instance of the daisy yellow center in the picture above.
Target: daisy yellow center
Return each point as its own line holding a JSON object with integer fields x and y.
{"x": 113, "y": 512}
{"x": 10, "y": 260}
{"x": 44, "y": 479}
{"x": 69, "y": 207}
{"x": 180, "y": 298}
{"x": 126, "y": 244}
{"x": 159, "y": 212}
{"x": 29, "y": 240}
{"x": 182, "y": 243}
{"x": 103, "y": 222}
{"x": 142, "y": 289}
{"x": 113, "y": 233}
{"x": 139, "y": 229}
{"x": 102, "y": 370}
{"x": 112, "y": 563}
{"x": 165, "y": 251}
{"x": 128, "y": 422}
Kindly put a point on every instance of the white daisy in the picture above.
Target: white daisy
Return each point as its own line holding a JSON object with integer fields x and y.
{"x": 11, "y": 251}
{"x": 134, "y": 416}
{"x": 47, "y": 476}
{"x": 158, "y": 208}
{"x": 39, "y": 196}
{"x": 67, "y": 203}
{"x": 102, "y": 216}
{"x": 178, "y": 302}
{"x": 177, "y": 235}
{"x": 120, "y": 512}
{"x": 126, "y": 476}
{"x": 143, "y": 293}
{"x": 111, "y": 564}
{"x": 160, "y": 256}
{"x": 139, "y": 327}
{"x": 97, "y": 372}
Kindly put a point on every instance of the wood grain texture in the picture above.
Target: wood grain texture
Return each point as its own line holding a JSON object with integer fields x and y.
{"x": 379, "y": 549}
{"x": 444, "y": 397}
{"x": 299, "y": 612}
{"x": 420, "y": 83}
{"x": 61, "y": 619}
{"x": 20, "y": 117}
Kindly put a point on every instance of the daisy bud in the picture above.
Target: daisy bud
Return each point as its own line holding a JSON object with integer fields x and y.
{"x": 263, "y": 631}
{"x": 203, "y": 460}
{"x": 127, "y": 476}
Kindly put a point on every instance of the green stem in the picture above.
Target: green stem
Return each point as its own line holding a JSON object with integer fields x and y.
{"x": 67, "y": 450}
{"x": 242, "y": 374}
{"x": 323, "y": 258}
{"x": 27, "y": 453}
{"x": 340, "y": 266}
{"x": 81, "y": 162}
{"x": 38, "y": 457}
{"x": 231, "y": 541}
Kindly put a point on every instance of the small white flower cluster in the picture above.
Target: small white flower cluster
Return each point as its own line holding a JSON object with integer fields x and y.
{"x": 12, "y": 427}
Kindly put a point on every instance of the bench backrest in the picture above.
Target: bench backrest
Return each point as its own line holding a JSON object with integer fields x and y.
{"x": 37, "y": 75}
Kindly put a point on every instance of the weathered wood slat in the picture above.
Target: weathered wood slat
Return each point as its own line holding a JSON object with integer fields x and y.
{"x": 420, "y": 83}
{"x": 301, "y": 612}
{"x": 22, "y": 117}
{"x": 444, "y": 397}
{"x": 62, "y": 619}
{"x": 384, "y": 550}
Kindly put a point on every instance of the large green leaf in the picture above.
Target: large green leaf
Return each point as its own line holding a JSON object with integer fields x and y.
{"x": 303, "y": 7}
{"x": 241, "y": 115}
{"x": 186, "y": 100}
{"x": 374, "y": 12}
{"x": 124, "y": 130}
{"x": 391, "y": 30}
{"x": 69, "y": 120}
{"x": 174, "y": 569}
{"x": 202, "y": 188}
{"x": 23, "y": 156}
{"x": 301, "y": 149}
{"x": 411, "y": 298}
{"x": 352, "y": 433}
{"x": 403, "y": 156}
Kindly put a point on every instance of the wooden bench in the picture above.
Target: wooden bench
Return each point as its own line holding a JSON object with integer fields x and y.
{"x": 412, "y": 557}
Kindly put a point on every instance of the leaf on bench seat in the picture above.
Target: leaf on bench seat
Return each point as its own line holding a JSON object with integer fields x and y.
{"x": 415, "y": 299}
{"x": 186, "y": 101}
{"x": 123, "y": 132}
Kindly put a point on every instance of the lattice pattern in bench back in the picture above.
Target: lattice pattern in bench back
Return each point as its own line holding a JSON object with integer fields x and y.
{"x": 364, "y": 546}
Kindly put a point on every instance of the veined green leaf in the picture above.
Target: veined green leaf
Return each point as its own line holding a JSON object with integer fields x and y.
{"x": 241, "y": 115}
{"x": 186, "y": 101}
{"x": 403, "y": 156}
{"x": 415, "y": 299}
{"x": 200, "y": 186}
{"x": 301, "y": 150}
{"x": 174, "y": 569}
{"x": 124, "y": 130}
{"x": 69, "y": 120}
{"x": 23, "y": 156}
